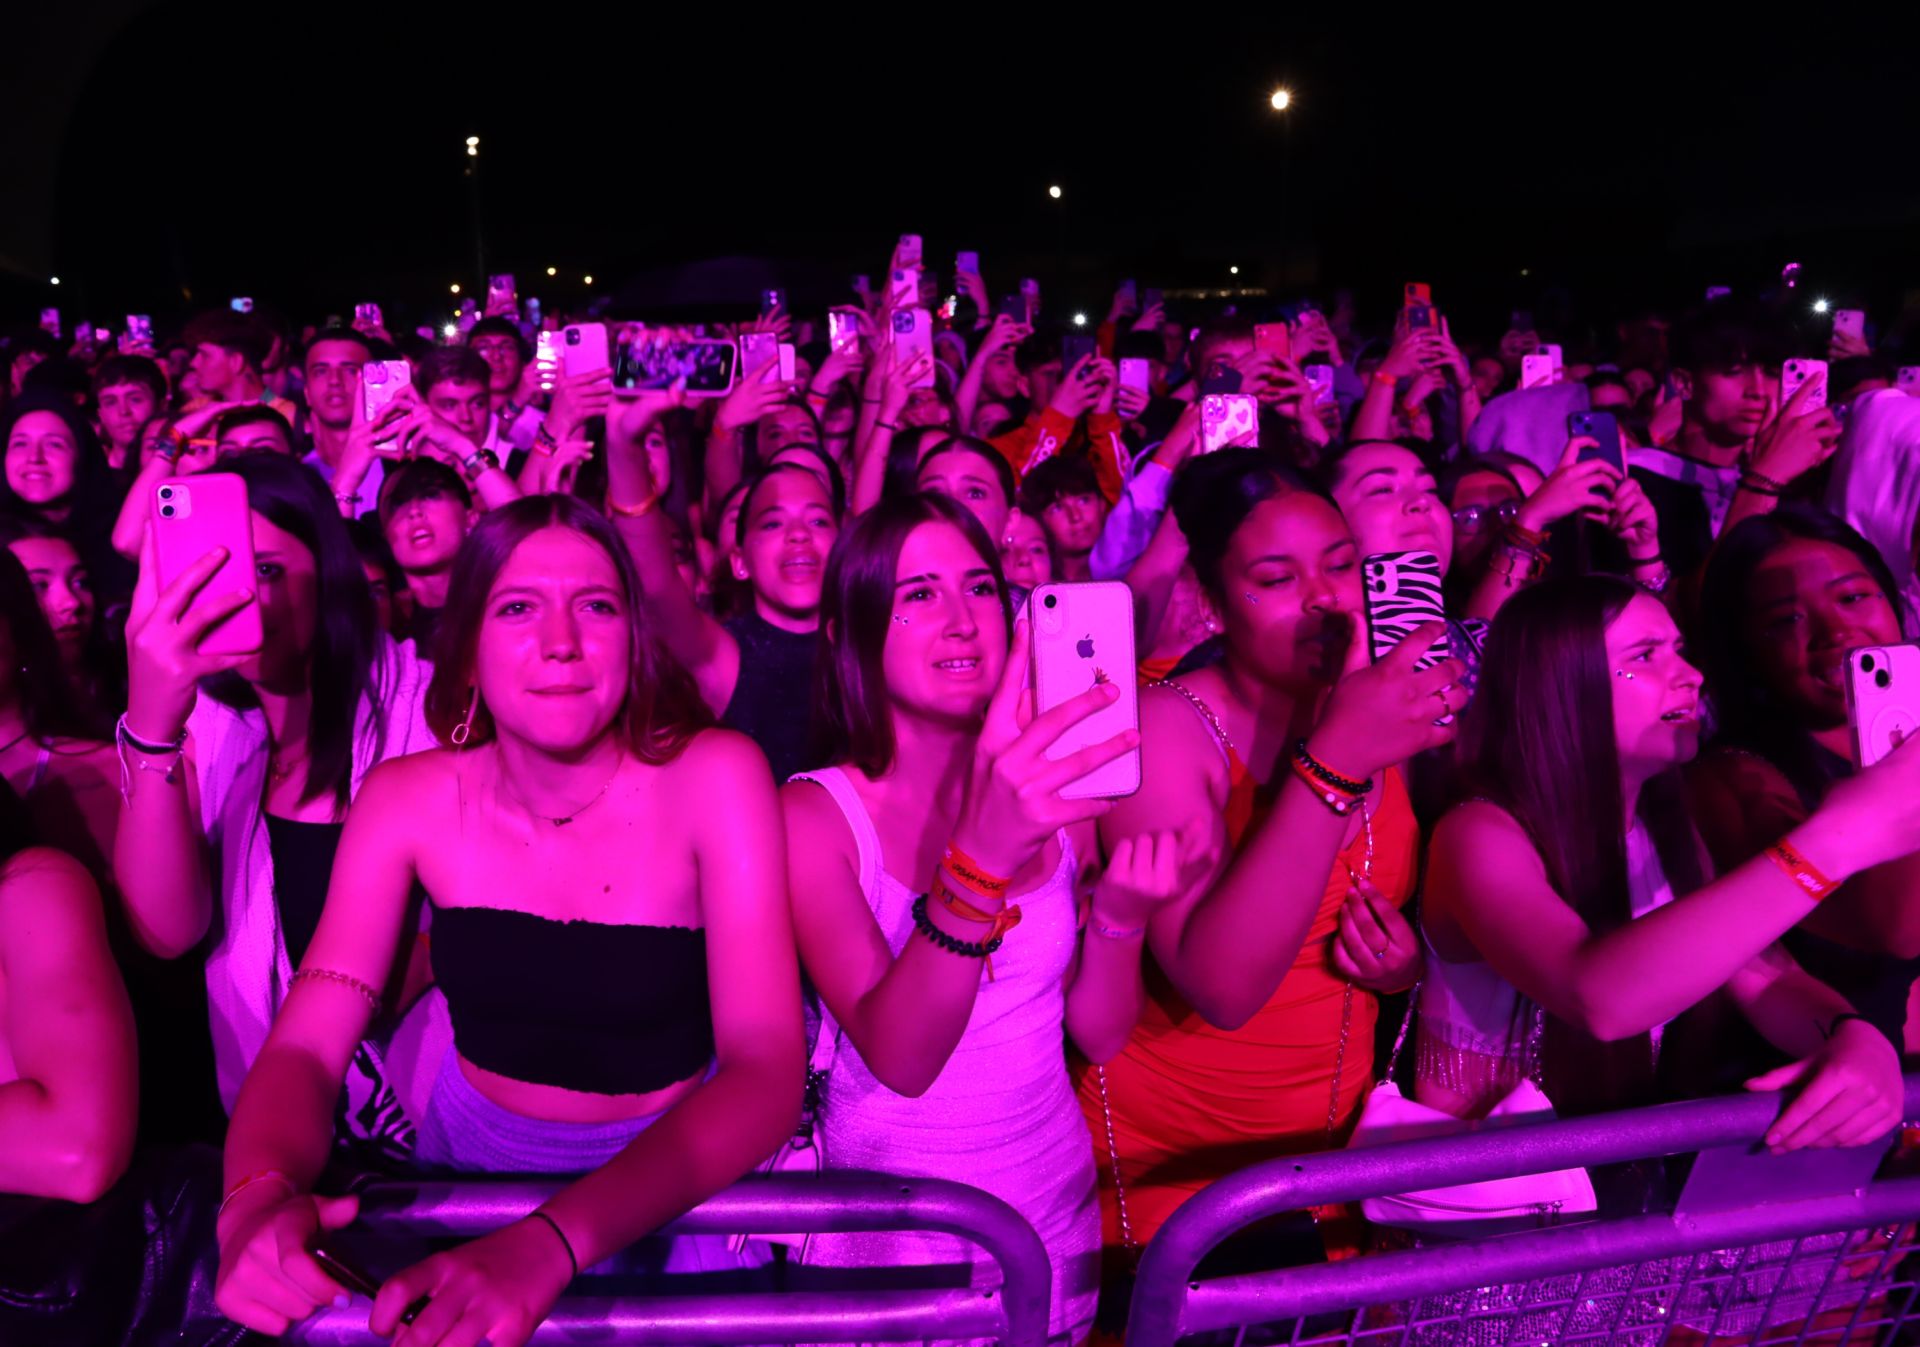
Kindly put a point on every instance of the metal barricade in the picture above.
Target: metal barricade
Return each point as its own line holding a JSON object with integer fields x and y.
{"x": 1015, "y": 1313}
{"x": 1819, "y": 1267}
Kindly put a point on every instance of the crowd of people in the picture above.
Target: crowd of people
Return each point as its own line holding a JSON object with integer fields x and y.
{"x": 623, "y": 775}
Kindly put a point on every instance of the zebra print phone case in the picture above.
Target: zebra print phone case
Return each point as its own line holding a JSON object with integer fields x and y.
{"x": 1402, "y": 594}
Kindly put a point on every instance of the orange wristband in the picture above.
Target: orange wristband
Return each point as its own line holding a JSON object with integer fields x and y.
{"x": 997, "y": 924}
{"x": 1803, "y": 872}
{"x": 972, "y": 874}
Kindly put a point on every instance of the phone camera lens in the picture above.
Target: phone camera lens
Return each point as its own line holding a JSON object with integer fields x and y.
{"x": 573, "y": 337}
{"x": 1053, "y": 600}
{"x": 166, "y": 493}
{"x": 1881, "y": 679}
{"x": 166, "y": 512}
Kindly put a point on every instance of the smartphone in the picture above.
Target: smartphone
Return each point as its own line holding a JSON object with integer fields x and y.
{"x": 82, "y": 333}
{"x": 50, "y": 322}
{"x": 1850, "y": 323}
{"x": 786, "y": 362}
{"x": 1718, "y": 292}
{"x": 1274, "y": 339}
{"x": 546, "y": 357}
{"x": 1321, "y": 378}
{"x": 1418, "y": 292}
{"x": 1228, "y": 421}
{"x": 1083, "y": 635}
{"x": 381, "y": 381}
{"x": 500, "y": 298}
{"x": 583, "y": 348}
{"x": 1222, "y": 377}
{"x": 904, "y": 287}
{"x": 139, "y": 327}
{"x": 1907, "y": 378}
{"x": 1030, "y": 288}
{"x": 1797, "y": 372}
{"x": 1150, "y": 297}
{"x": 967, "y": 262}
{"x": 909, "y": 253}
{"x": 1130, "y": 293}
{"x": 757, "y": 351}
{"x": 1401, "y": 592}
{"x": 1883, "y": 699}
{"x": 1536, "y": 371}
{"x": 358, "y": 1282}
{"x": 707, "y": 364}
{"x": 1014, "y": 307}
{"x": 1552, "y": 352}
{"x": 1604, "y": 429}
{"x": 1074, "y": 347}
{"x": 192, "y": 516}
{"x": 1419, "y": 316}
{"x": 241, "y": 304}
{"x": 369, "y": 314}
{"x": 1136, "y": 373}
{"x": 843, "y": 331}
{"x": 912, "y": 337}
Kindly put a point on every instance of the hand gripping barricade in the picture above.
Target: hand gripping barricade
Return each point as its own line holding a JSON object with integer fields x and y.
{"x": 1808, "y": 1248}
{"x": 1015, "y": 1313}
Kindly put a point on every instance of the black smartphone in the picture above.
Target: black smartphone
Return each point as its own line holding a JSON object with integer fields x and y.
{"x": 1013, "y": 306}
{"x": 1150, "y": 297}
{"x": 1419, "y": 316}
{"x": 358, "y": 1282}
{"x": 1604, "y": 429}
{"x": 1073, "y": 349}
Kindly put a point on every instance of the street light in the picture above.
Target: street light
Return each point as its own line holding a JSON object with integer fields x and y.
{"x": 1233, "y": 271}
{"x": 473, "y": 147}
{"x": 1819, "y": 306}
{"x": 1282, "y": 100}
{"x": 55, "y": 280}
{"x": 553, "y": 271}
{"x": 589, "y": 280}
{"x": 1079, "y": 320}
{"x": 1054, "y": 192}
{"x": 450, "y": 331}
{"x": 455, "y": 287}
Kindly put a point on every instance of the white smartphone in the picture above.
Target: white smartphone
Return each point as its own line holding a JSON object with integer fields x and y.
{"x": 546, "y": 357}
{"x": 1083, "y": 635}
{"x": 1907, "y": 379}
{"x": 757, "y": 351}
{"x": 1850, "y": 323}
{"x": 843, "y": 330}
{"x": 1136, "y": 373}
{"x": 909, "y": 253}
{"x": 381, "y": 381}
{"x": 1797, "y": 372}
{"x": 1536, "y": 371}
{"x": 1321, "y": 379}
{"x": 904, "y": 287}
{"x": 583, "y": 349}
{"x": 1552, "y": 352}
{"x": 786, "y": 359}
{"x": 1883, "y": 699}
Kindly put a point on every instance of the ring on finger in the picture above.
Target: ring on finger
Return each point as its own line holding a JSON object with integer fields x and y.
{"x": 1380, "y": 954}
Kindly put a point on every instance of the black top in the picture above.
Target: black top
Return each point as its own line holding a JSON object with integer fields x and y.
{"x": 774, "y": 693}
{"x": 422, "y": 627}
{"x": 574, "y": 1004}
{"x": 302, "y": 868}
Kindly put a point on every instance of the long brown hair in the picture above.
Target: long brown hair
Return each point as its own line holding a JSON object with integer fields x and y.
{"x": 1538, "y": 740}
{"x": 852, "y": 720}
{"x": 663, "y": 710}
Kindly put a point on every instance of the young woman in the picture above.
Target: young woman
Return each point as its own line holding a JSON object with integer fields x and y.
{"x": 93, "y": 661}
{"x": 974, "y": 473}
{"x": 641, "y": 1022}
{"x": 942, "y": 788}
{"x": 1786, "y": 596}
{"x": 1257, "y": 1035}
{"x": 55, "y": 474}
{"x": 1573, "y": 882}
{"x": 239, "y": 768}
{"x": 68, "y": 1080}
{"x": 754, "y": 670}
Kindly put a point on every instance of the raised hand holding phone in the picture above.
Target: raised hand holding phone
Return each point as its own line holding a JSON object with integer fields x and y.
{"x": 1383, "y": 713}
{"x": 1798, "y": 439}
{"x": 1578, "y": 485}
{"x": 174, "y": 614}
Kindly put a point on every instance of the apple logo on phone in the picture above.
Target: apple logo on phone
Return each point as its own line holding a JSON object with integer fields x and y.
{"x": 1084, "y": 647}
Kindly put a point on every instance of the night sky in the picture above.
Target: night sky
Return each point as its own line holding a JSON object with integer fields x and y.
{"x": 317, "y": 158}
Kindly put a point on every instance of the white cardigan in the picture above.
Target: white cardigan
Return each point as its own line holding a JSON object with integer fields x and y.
{"x": 248, "y": 971}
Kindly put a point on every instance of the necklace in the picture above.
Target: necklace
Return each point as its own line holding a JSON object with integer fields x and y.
{"x": 572, "y": 814}
{"x": 8, "y": 746}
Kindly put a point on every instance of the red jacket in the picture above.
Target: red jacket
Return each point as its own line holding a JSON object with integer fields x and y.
{"x": 1048, "y": 433}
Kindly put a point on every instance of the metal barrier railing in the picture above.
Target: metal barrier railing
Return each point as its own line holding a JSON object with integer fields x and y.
{"x": 1015, "y": 1313}
{"x": 1829, "y": 1267}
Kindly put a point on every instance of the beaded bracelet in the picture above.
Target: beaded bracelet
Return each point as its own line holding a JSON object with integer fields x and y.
{"x": 1303, "y": 757}
{"x": 1340, "y": 803}
{"x": 924, "y": 924}
{"x": 343, "y": 979}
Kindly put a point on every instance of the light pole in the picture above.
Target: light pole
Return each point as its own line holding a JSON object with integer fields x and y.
{"x": 473, "y": 198}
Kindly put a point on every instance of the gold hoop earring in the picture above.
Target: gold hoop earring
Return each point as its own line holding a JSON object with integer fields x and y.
{"x": 464, "y": 730}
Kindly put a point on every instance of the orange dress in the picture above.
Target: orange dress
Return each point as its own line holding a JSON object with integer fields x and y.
{"x": 1190, "y": 1103}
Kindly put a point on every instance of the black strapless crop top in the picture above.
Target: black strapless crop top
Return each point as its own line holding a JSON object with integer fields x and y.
{"x": 574, "y": 1004}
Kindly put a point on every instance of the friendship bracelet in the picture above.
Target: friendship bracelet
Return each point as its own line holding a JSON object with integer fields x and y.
{"x": 141, "y": 743}
{"x": 248, "y": 1182}
{"x": 997, "y": 923}
{"x": 924, "y": 924}
{"x": 1760, "y": 484}
{"x": 1303, "y": 757}
{"x": 1524, "y": 538}
{"x": 347, "y": 498}
{"x": 344, "y": 979}
{"x": 1803, "y": 872}
{"x": 565, "y": 1243}
{"x": 972, "y": 874}
{"x": 1332, "y": 799}
{"x": 640, "y": 511}
{"x": 1100, "y": 928}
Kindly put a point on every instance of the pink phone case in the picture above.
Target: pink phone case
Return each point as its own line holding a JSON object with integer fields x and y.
{"x": 1850, "y": 323}
{"x": 757, "y": 351}
{"x": 1082, "y": 635}
{"x": 1536, "y": 371}
{"x": 912, "y": 336}
{"x": 1137, "y": 374}
{"x": 191, "y": 517}
{"x": 1228, "y": 420}
{"x": 1797, "y": 372}
{"x": 583, "y": 349}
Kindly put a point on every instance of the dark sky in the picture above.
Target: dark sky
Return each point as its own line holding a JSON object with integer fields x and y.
{"x": 313, "y": 155}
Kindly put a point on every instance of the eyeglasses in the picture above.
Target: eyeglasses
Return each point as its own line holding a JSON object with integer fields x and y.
{"x": 1471, "y": 518}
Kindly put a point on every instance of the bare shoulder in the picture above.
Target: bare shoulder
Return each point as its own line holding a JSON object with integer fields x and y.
{"x": 723, "y": 759}
{"x": 815, "y": 824}
{"x": 416, "y": 786}
{"x": 1480, "y": 823}
{"x": 38, "y": 878}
